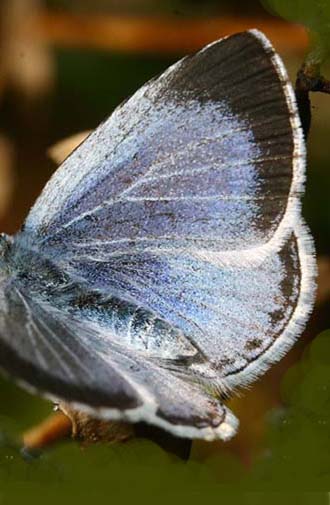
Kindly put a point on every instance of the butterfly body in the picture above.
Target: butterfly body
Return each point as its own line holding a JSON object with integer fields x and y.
{"x": 132, "y": 326}
{"x": 166, "y": 262}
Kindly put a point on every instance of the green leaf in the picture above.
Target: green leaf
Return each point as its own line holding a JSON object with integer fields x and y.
{"x": 314, "y": 14}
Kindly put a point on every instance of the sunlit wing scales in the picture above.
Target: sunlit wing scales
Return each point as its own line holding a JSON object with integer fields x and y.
{"x": 166, "y": 262}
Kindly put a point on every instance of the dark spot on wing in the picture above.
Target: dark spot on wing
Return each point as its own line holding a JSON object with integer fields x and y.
{"x": 253, "y": 345}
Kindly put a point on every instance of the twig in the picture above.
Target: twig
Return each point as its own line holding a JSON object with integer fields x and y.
{"x": 309, "y": 80}
{"x": 54, "y": 428}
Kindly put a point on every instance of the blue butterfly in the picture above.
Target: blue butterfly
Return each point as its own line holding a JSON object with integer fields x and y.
{"x": 166, "y": 262}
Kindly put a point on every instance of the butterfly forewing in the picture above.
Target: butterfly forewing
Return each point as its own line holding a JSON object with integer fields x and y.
{"x": 190, "y": 159}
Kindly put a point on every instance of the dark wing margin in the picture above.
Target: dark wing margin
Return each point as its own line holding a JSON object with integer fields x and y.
{"x": 298, "y": 291}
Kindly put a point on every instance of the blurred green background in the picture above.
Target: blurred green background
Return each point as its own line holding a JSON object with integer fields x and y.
{"x": 64, "y": 66}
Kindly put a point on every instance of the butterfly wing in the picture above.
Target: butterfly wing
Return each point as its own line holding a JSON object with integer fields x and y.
{"x": 69, "y": 359}
{"x": 185, "y": 205}
{"x": 118, "y": 361}
{"x": 202, "y": 156}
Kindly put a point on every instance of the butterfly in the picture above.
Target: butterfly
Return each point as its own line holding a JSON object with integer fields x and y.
{"x": 166, "y": 262}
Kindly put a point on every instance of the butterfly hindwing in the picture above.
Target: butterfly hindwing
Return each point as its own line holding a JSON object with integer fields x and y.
{"x": 71, "y": 360}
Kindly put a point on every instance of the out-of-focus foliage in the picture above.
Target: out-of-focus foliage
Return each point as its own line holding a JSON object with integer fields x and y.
{"x": 26, "y": 63}
{"x": 314, "y": 14}
{"x": 170, "y": 7}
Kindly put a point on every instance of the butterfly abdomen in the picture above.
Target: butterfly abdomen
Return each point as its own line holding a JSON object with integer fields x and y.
{"x": 130, "y": 325}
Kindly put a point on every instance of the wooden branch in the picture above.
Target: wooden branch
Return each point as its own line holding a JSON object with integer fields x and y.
{"x": 87, "y": 431}
{"x": 55, "y": 428}
{"x": 158, "y": 34}
{"x": 309, "y": 80}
